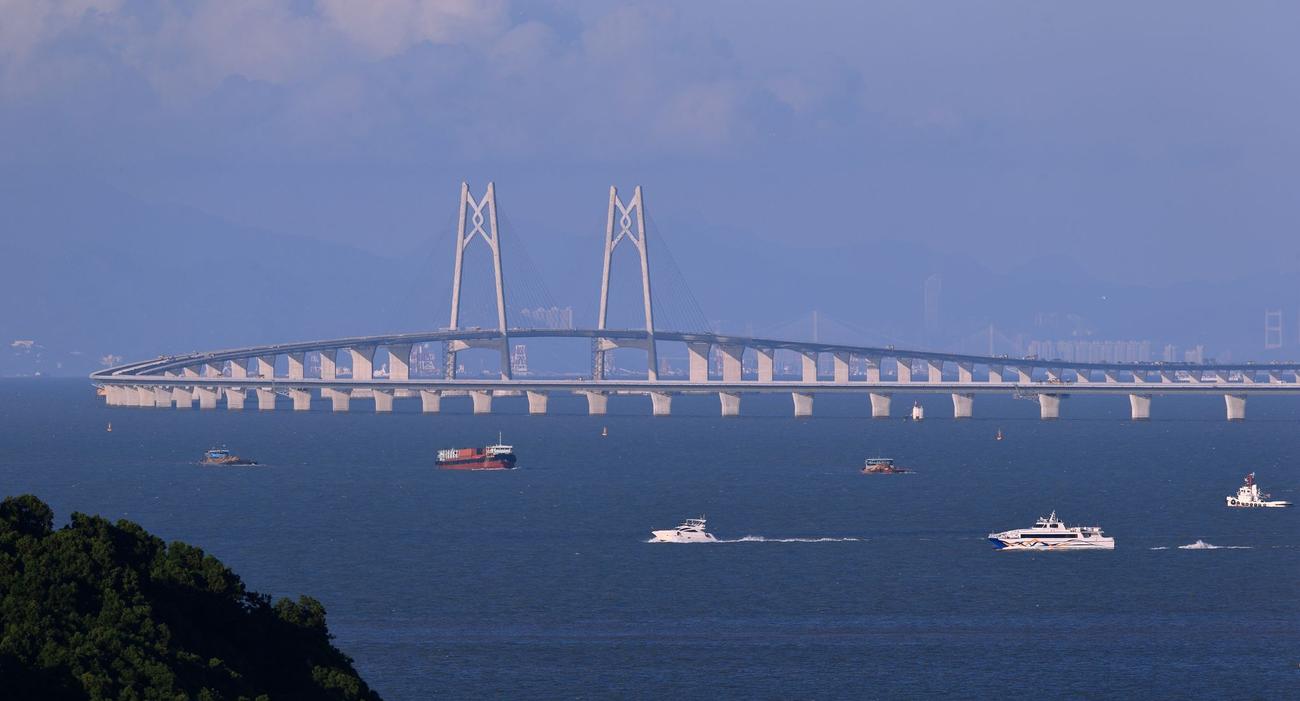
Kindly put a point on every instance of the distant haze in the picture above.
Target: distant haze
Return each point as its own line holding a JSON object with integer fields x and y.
{"x": 212, "y": 174}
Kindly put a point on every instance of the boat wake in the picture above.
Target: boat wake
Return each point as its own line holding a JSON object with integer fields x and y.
{"x": 761, "y": 539}
{"x": 1202, "y": 545}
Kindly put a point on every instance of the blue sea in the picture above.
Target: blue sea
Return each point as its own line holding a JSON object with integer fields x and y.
{"x": 539, "y": 583}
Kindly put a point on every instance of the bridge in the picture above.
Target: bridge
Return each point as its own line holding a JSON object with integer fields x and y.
{"x": 227, "y": 377}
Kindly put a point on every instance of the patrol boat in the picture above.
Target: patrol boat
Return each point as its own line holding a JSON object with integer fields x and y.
{"x": 691, "y": 531}
{"x": 1050, "y": 534}
{"x": 1249, "y": 496}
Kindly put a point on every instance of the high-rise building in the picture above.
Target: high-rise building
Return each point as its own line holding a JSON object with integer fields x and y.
{"x": 1272, "y": 329}
{"x": 519, "y": 359}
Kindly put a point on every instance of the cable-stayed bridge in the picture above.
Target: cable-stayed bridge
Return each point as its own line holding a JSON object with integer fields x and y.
{"x": 728, "y": 366}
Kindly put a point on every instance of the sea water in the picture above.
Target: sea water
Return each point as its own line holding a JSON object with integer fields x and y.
{"x": 539, "y": 582}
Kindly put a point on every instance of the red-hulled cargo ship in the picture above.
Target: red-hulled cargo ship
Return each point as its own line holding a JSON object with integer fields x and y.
{"x": 493, "y": 457}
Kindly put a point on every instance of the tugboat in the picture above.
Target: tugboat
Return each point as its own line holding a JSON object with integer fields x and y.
{"x": 1050, "y": 534}
{"x": 883, "y": 466}
{"x": 918, "y": 411}
{"x": 1249, "y": 496}
{"x": 998, "y": 437}
{"x": 221, "y": 457}
{"x": 691, "y": 531}
{"x": 497, "y": 456}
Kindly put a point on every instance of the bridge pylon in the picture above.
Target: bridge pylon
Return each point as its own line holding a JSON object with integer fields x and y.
{"x": 625, "y": 222}
{"x": 478, "y": 212}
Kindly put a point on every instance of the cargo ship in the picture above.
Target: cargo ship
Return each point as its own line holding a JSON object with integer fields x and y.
{"x": 493, "y": 457}
{"x": 883, "y": 466}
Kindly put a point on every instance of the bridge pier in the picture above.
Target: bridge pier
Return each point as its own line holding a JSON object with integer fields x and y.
{"x": 933, "y": 370}
{"x": 1024, "y": 375}
{"x": 265, "y": 399}
{"x": 144, "y": 396}
{"x": 399, "y": 361}
{"x": 963, "y": 405}
{"x": 661, "y": 403}
{"x": 873, "y": 368}
{"x": 301, "y": 399}
{"x": 903, "y": 369}
{"x": 596, "y": 403}
{"x": 766, "y": 365}
{"x": 880, "y": 405}
{"x": 266, "y": 366}
{"x": 363, "y": 362}
{"x": 731, "y": 357}
{"x": 965, "y": 373}
{"x": 841, "y": 365}
{"x": 698, "y": 354}
{"x": 430, "y": 401}
{"x": 183, "y": 397}
{"x": 995, "y": 373}
{"x": 537, "y": 402}
{"x": 235, "y": 398}
{"x": 329, "y": 368}
{"x": 803, "y": 403}
{"x": 730, "y": 403}
{"x": 482, "y": 401}
{"x": 383, "y": 401}
{"x": 207, "y": 398}
{"x": 297, "y": 365}
{"x": 162, "y": 397}
{"x": 1139, "y": 406}
{"x": 340, "y": 399}
{"x": 1049, "y": 407}
{"x": 1236, "y": 406}
{"x": 808, "y": 366}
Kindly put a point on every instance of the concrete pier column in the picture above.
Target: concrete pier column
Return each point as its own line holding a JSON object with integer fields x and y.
{"x": 1049, "y": 406}
{"x": 301, "y": 399}
{"x": 399, "y": 361}
{"x": 183, "y": 397}
{"x": 808, "y": 366}
{"x": 144, "y": 396}
{"x": 212, "y": 369}
{"x": 207, "y": 398}
{"x": 162, "y": 397}
{"x": 698, "y": 355}
{"x": 841, "y": 364}
{"x": 1140, "y": 406}
{"x": 1236, "y": 406}
{"x": 904, "y": 370}
{"x": 297, "y": 364}
{"x": 731, "y": 357}
{"x": 127, "y": 396}
{"x": 110, "y": 395}
{"x": 328, "y": 365}
{"x": 537, "y": 402}
{"x": 766, "y": 364}
{"x": 235, "y": 398}
{"x": 238, "y": 369}
{"x": 363, "y": 362}
{"x": 1274, "y": 377}
{"x": 803, "y": 403}
{"x": 482, "y": 401}
{"x": 1166, "y": 376}
{"x": 1140, "y": 376}
{"x": 383, "y": 401}
{"x": 730, "y": 403}
{"x": 596, "y": 403}
{"x": 1082, "y": 376}
{"x": 340, "y": 399}
{"x": 265, "y": 399}
{"x": 661, "y": 403}
{"x": 1053, "y": 374}
{"x": 933, "y": 370}
{"x": 995, "y": 373}
{"x": 965, "y": 372}
{"x": 963, "y": 405}
{"x": 1024, "y": 375}
{"x": 880, "y": 405}
{"x": 430, "y": 401}
{"x": 1112, "y": 376}
{"x": 266, "y": 366}
{"x": 873, "y": 368}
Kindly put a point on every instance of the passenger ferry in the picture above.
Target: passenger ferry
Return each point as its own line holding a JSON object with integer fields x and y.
{"x": 691, "y": 531}
{"x": 497, "y": 456}
{"x": 1249, "y": 496}
{"x": 222, "y": 457}
{"x": 1050, "y": 534}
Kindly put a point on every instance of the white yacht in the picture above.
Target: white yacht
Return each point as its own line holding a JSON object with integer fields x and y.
{"x": 691, "y": 531}
{"x": 918, "y": 411}
{"x": 1249, "y": 496}
{"x": 1050, "y": 534}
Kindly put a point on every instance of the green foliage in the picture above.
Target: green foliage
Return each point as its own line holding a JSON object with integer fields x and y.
{"x": 97, "y": 610}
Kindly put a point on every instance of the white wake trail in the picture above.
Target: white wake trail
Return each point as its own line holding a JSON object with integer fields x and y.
{"x": 1202, "y": 545}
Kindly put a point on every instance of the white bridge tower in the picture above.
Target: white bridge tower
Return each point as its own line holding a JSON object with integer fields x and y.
{"x": 630, "y": 228}
{"x": 474, "y": 211}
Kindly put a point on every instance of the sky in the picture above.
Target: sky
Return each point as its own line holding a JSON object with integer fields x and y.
{"x": 1066, "y": 153}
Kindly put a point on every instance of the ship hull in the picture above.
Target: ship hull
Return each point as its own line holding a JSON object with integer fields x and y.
{"x": 482, "y": 463}
{"x": 1042, "y": 545}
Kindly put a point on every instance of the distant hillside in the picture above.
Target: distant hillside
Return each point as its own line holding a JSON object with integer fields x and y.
{"x": 97, "y": 610}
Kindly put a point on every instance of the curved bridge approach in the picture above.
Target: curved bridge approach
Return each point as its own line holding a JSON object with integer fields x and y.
{"x": 728, "y": 366}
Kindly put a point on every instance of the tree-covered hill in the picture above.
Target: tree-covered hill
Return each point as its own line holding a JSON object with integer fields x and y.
{"x": 107, "y": 611}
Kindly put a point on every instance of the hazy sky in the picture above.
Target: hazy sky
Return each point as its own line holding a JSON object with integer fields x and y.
{"x": 1146, "y": 143}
